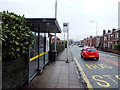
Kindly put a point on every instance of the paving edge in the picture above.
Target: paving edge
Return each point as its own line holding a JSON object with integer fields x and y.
{"x": 81, "y": 77}
{"x": 84, "y": 84}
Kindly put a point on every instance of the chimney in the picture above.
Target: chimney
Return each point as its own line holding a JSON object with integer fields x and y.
{"x": 91, "y": 36}
{"x": 109, "y": 31}
{"x": 104, "y": 32}
{"x": 113, "y": 29}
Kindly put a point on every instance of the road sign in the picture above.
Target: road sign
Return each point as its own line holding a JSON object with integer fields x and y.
{"x": 65, "y": 27}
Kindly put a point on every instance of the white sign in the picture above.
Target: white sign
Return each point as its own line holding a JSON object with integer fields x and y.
{"x": 65, "y": 27}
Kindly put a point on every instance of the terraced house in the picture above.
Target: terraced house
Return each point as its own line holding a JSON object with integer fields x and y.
{"x": 107, "y": 41}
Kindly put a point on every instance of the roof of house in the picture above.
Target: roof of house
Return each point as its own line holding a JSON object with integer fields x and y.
{"x": 117, "y": 29}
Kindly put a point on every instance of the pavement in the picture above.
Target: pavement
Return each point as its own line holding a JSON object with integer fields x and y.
{"x": 98, "y": 75}
{"x": 58, "y": 74}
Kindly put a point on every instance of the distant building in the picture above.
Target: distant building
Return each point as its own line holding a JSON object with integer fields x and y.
{"x": 57, "y": 39}
{"x": 105, "y": 41}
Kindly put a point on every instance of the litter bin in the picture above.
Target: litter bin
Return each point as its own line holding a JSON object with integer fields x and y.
{"x": 53, "y": 55}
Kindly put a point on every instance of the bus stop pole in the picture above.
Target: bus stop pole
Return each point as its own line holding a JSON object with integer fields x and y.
{"x": 67, "y": 61}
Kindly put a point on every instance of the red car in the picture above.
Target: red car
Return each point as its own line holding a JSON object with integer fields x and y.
{"x": 89, "y": 52}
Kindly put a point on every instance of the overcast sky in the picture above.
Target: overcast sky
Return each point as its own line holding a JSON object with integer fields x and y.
{"x": 78, "y": 13}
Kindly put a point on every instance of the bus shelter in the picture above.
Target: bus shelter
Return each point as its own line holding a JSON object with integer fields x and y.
{"x": 39, "y": 52}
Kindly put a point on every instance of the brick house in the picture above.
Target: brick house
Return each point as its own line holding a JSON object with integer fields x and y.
{"x": 116, "y": 37}
{"x": 105, "y": 41}
{"x": 110, "y": 38}
{"x": 101, "y": 41}
{"x": 82, "y": 42}
{"x": 85, "y": 41}
{"x": 90, "y": 41}
{"x": 94, "y": 41}
{"x": 57, "y": 39}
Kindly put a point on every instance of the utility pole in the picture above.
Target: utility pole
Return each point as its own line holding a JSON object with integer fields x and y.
{"x": 96, "y": 31}
{"x": 64, "y": 39}
{"x": 55, "y": 30}
{"x": 67, "y": 61}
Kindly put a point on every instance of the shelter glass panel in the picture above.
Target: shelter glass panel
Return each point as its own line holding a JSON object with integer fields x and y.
{"x": 33, "y": 52}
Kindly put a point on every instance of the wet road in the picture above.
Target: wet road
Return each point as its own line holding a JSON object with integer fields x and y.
{"x": 99, "y": 74}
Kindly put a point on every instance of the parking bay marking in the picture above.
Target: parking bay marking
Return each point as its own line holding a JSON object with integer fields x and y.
{"x": 98, "y": 66}
{"x": 104, "y": 83}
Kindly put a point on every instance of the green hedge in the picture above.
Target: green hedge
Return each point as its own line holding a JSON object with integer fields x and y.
{"x": 16, "y": 35}
{"x": 62, "y": 42}
{"x": 117, "y": 46}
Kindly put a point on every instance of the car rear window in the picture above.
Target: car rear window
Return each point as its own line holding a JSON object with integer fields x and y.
{"x": 91, "y": 49}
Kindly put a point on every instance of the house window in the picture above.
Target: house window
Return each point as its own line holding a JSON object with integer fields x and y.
{"x": 108, "y": 37}
{"x": 117, "y": 35}
{"x": 117, "y": 42}
{"x": 108, "y": 44}
{"x": 114, "y": 35}
{"x": 111, "y": 36}
{"x": 104, "y": 44}
{"x": 105, "y": 37}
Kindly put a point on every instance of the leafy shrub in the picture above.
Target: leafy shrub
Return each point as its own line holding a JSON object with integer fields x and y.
{"x": 62, "y": 42}
{"x": 117, "y": 46}
{"x": 16, "y": 35}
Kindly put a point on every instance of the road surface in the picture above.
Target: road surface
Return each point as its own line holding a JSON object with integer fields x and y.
{"x": 99, "y": 74}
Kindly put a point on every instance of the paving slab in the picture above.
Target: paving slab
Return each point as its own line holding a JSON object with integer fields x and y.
{"x": 58, "y": 74}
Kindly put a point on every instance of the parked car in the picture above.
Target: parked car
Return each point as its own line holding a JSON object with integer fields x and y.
{"x": 81, "y": 46}
{"x": 89, "y": 52}
{"x": 72, "y": 44}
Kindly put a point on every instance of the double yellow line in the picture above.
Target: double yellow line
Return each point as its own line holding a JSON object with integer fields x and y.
{"x": 83, "y": 74}
{"x": 31, "y": 59}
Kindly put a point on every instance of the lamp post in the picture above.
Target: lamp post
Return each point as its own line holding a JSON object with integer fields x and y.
{"x": 96, "y": 31}
{"x": 55, "y": 30}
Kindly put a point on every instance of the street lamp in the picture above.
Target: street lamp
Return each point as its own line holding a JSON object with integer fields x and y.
{"x": 96, "y": 31}
{"x": 55, "y": 31}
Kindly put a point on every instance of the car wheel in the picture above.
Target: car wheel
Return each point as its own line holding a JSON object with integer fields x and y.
{"x": 97, "y": 59}
{"x": 84, "y": 58}
{"x": 81, "y": 56}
